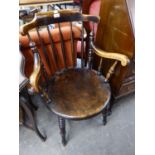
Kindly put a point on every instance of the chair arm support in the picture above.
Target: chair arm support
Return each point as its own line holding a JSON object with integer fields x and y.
{"x": 34, "y": 77}
{"x": 115, "y": 56}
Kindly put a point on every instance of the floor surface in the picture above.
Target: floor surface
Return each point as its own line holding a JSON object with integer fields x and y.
{"x": 87, "y": 137}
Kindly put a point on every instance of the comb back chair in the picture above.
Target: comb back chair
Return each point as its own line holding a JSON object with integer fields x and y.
{"x": 73, "y": 92}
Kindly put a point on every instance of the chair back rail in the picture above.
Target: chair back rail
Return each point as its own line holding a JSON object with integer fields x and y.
{"x": 57, "y": 46}
{"x": 44, "y": 20}
{"x": 51, "y": 17}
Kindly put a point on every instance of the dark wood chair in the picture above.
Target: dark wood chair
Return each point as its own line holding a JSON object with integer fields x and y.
{"x": 72, "y": 92}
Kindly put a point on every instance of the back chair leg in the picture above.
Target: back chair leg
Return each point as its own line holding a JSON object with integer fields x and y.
{"x": 62, "y": 130}
{"x": 109, "y": 109}
{"x": 104, "y": 114}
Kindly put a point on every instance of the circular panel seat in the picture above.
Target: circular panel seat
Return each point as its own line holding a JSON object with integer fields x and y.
{"x": 78, "y": 93}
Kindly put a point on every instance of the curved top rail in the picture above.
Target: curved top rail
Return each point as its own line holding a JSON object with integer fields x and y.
{"x": 56, "y": 16}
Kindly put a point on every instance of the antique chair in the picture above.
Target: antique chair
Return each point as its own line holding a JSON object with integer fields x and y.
{"x": 71, "y": 92}
{"x": 26, "y": 107}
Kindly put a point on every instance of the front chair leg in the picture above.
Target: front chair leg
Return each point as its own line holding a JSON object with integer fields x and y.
{"x": 104, "y": 114}
{"x": 109, "y": 106}
{"x": 62, "y": 130}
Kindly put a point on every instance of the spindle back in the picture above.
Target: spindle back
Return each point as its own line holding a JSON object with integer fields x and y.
{"x": 54, "y": 36}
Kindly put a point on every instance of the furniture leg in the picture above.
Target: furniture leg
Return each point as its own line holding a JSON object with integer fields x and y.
{"x": 109, "y": 109}
{"x": 109, "y": 106}
{"x": 62, "y": 130}
{"x": 32, "y": 104}
{"x": 104, "y": 114}
{"x": 23, "y": 104}
{"x": 26, "y": 93}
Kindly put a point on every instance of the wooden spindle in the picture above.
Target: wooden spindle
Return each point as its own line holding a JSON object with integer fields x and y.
{"x": 111, "y": 71}
{"x": 44, "y": 50}
{"x": 82, "y": 46}
{"x": 100, "y": 66}
{"x": 62, "y": 45}
{"x": 72, "y": 45}
{"x": 54, "y": 49}
{"x": 35, "y": 50}
{"x": 90, "y": 52}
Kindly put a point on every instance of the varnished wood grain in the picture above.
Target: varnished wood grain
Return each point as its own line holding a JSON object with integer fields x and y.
{"x": 111, "y": 71}
{"x": 34, "y": 78}
{"x": 114, "y": 56}
{"x": 115, "y": 34}
{"x": 78, "y": 93}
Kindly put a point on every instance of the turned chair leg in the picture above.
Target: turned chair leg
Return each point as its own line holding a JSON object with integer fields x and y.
{"x": 109, "y": 109}
{"x": 62, "y": 130}
{"x": 109, "y": 106}
{"x": 104, "y": 114}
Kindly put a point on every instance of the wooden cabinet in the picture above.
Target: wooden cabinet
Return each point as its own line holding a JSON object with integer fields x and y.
{"x": 116, "y": 34}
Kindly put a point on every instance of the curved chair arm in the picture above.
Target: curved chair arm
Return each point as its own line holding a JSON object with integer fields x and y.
{"x": 115, "y": 56}
{"x": 34, "y": 77}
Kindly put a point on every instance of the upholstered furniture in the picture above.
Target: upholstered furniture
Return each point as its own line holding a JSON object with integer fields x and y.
{"x": 91, "y": 7}
{"x": 26, "y": 50}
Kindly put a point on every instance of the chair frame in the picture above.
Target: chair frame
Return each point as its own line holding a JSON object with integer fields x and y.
{"x": 43, "y": 19}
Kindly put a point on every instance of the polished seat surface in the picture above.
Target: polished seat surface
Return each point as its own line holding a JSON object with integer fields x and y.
{"x": 78, "y": 93}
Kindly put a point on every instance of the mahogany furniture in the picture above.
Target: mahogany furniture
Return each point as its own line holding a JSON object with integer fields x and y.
{"x": 26, "y": 107}
{"x": 115, "y": 33}
{"x": 71, "y": 92}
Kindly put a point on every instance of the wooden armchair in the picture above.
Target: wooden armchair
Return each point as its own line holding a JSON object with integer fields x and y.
{"x": 71, "y": 93}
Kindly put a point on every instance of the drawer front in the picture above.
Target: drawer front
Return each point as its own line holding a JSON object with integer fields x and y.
{"x": 126, "y": 89}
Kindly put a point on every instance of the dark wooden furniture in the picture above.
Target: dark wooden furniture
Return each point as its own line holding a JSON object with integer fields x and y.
{"x": 26, "y": 107}
{"x": 71, "y": 93}
{"x": 116, "y": 33}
